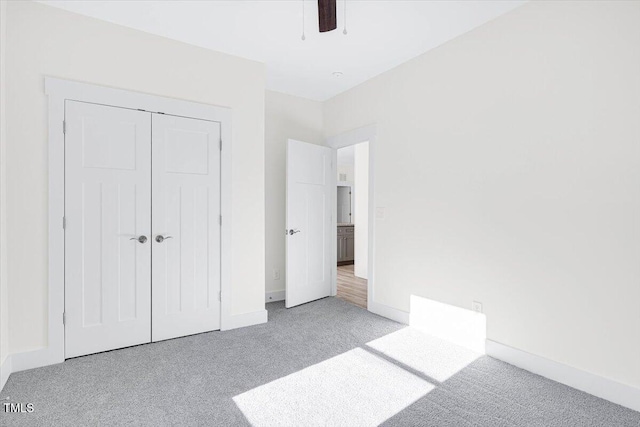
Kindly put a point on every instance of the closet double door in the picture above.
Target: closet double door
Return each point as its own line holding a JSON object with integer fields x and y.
{"x": 142, "y": 229}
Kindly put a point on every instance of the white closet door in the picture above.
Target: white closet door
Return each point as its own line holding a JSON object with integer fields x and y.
{"x": 107, "y": 204}
{"x": 186, "y": 228}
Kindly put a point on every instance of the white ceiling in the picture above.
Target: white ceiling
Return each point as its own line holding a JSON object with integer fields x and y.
{"x": 381, "y": 34}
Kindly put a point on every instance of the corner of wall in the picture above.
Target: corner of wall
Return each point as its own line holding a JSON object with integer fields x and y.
{"x": 5, "y": 371}
{"x": 286, "y": 116}
{"x": 5, "y": 359}
{"x": 246, "y": 319}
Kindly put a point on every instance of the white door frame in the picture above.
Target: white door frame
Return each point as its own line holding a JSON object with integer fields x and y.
{"x": 59, "y": 90}
{"x": 353, "y": 137}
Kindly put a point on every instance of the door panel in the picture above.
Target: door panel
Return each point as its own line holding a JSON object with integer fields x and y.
{"x": 309, "y": 187}
{"x": 107, "y": 203}
{"x": 186, "y": 211}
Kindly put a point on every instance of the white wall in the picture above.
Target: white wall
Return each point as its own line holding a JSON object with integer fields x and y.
{"x": 4, "y": 301}
{"x": 346, "y": 170}
{"x": 361, "y": 210}
{"x": 346, "y": 159}
{"x": 508, "y": 161}
{"x": 44, "y": 41}
{"x": 287, "y": 117}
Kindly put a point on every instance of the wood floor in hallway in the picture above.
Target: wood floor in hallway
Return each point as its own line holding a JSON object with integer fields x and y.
{"x": 351, "y": 288}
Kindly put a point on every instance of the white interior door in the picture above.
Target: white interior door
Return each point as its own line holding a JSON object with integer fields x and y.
{"x": 107, "y": 232}
{"x": 186, "y": 226}
{"x": 310, "y": 188}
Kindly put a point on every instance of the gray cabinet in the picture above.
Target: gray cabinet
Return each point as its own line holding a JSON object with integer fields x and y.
{"x": 345, "y": 244}
{"x": 349, "y": 243}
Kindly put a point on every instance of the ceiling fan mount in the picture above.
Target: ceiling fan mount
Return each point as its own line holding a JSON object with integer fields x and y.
{"x": 327, "y": 20}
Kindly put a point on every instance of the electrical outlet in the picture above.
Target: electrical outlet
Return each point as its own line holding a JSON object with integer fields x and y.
{"x": 476, "y": 306}
{"x": 276, "y": 274}
{"x": 380, "y": 213}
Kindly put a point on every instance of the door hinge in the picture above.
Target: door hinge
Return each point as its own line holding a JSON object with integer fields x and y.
{"x": 64, "y": 127}
{"x": 220, "y": 219}
{"x": 64, "y": 318}
{"x": 220, "y": 144}
{"x": 220, "y": 296}
{"x": 64, "y": 222}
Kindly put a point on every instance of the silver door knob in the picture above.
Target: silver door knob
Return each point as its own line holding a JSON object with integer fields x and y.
{"x": 292, "y": 232}
{"x": 160, "y": 238}
{"x": 141, "y": 239}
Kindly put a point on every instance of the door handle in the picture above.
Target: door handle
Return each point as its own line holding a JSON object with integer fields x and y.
{"x": 141, "y": 239}
{"x": 292, "y": 232}
{"x": 160, "y": 238}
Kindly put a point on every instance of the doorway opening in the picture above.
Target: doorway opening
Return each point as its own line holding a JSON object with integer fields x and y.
{"x": 352, "y": 223}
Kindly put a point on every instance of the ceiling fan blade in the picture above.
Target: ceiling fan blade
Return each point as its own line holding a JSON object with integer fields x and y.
{"x": 327, "y": 15}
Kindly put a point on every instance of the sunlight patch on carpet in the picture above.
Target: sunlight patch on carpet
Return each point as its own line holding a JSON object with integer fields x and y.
{"x": 355, "y": 388}
{"x": 431, "y": 356}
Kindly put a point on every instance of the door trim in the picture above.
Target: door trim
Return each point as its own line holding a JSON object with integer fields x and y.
{"x": 353, "y": 137}
{"x": 59, "y": 90}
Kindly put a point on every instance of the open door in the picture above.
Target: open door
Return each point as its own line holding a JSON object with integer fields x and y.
{"x": 310, "y": 191}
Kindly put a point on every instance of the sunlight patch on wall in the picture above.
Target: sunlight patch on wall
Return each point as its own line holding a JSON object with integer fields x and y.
{"x": 465, "y": 328}
{"x": 355, "y": 388}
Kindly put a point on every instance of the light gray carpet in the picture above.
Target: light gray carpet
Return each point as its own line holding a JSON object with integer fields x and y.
{"x": 314, "y": 362}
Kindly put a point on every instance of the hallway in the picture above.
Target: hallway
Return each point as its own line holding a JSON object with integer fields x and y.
{"x": 351, "y": 288}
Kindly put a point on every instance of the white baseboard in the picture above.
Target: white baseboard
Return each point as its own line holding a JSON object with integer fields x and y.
{"x": 605, "y": 388}
{"x": 247, "y": 319}
{"x": 389, "y": 312}
{"x": 5, "y": 371}
{"x": 37, "y": 358}
{"x": 274, "y": 296}
{"x": 47, "y": 356}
